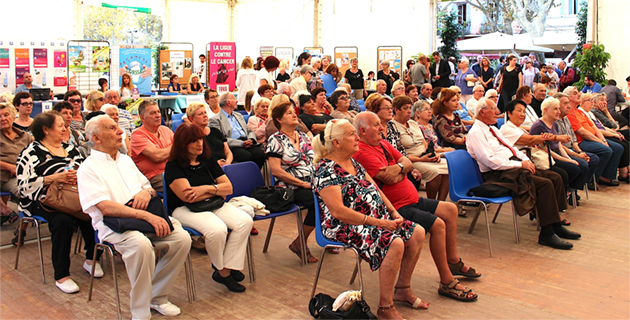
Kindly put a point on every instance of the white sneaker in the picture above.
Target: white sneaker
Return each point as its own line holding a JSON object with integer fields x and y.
{"x": 167, "y": 309}
{"x": 67, "y": 286}
{"x": 98, "y": 271}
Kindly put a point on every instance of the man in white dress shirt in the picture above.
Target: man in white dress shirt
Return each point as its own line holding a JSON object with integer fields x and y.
{"x": 507, "y": 167}
{"x": 107, "y": 180}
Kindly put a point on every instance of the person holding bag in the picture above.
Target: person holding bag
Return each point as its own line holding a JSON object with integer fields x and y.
{"x": 290, "y": 158}
{"x": 45, "y": 162}
{"x": 196, "y": 188}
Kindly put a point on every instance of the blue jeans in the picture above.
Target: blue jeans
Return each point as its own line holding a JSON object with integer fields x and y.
{"x": 609, "y": 157}
{"x": 591, "y": 165}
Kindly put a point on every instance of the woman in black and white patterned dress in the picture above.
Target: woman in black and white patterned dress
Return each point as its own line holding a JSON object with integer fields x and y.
{"x": 40, "y": 164}
{"x": 290, "y": 158}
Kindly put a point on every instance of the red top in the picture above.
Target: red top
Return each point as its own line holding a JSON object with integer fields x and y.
{"x": 579, "y": 120}
{"x": 141, "y": 138}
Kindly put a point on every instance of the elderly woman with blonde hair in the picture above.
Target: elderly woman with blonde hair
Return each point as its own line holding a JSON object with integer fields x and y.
{"x": 259, "y": 119}
{"x": 194, "y": 86}
{"x": 398, "y": 88}
{"x": 93, "y": 101}
{"x": 351, "y": 203}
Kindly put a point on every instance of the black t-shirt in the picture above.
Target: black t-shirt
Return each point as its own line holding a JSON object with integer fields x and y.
{"x": 205, "y": 173}
{"x": 283, "y": 78}
{"x": 355, "y": 79}
{"x": 215, "y": 141}
{"x": 309, "y": 119}
{"x": 387, "y": 78}
{"x": 510, "y": 79}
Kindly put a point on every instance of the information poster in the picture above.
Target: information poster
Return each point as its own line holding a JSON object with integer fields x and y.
{"x": 136, "y": 62}
{"x": 21, "y": 65}
{"x": 4, "y": 58}
{"x": 77, "y": 58}
{"x": 100, "y": 59}
{"x": 177, "y": 64}
{"x": 266, "y": 51}
{"x": 343, "y": 56}
{"x": 391, "y": 54}
{"x": 40, "y": 66}
{"x": 285, "y": 55}
{"x": 222, "y": 66}
{"x": 60, "y": 77}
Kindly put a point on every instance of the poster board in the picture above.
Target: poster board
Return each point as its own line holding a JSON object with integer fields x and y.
{"x": 222, "y": 66}
{"x": 44, "y": 60}
{"x": 285, "y": 55}
{"x": 176, "y": 59}
{"x": 87, "y": 61}
{"x": 343, "y": 56}
{"x": 266, "y": 51}
{"x": 391, "y": 53}
{"x": 137, "y": 63}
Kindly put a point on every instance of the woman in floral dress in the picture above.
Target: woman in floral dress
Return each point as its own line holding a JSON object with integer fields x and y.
{"x": 356, "y": 213}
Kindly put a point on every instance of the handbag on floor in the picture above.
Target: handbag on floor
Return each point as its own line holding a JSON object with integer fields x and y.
{"x": 321, "y": 306}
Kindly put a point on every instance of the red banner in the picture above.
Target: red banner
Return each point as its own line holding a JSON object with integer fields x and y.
{"x": 40, "y": 58}
{"x": 222, "y": 66}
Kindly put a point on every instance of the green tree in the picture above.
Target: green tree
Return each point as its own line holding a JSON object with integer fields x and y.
{"x": 593, "y": 61}
{"x": 450, "y": 31}
{"x": 121, "y": 26}
{"x": 580, "y": 26}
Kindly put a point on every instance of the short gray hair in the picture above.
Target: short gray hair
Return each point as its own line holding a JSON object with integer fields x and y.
{"x": 538, "y": 86}
{"x": 284, "y": 88}
{"x": 106, "y": 107}
{"x": 93, "y": 127}
{"x": 569, "y": 89}
{"x": 224, "y": 98}
{"x": 306, "y": 68}
{"x": 464, "y": 60}
{"x": 362, "y": 120}
{"x": 379, "y": 81}
{"x": 426, "y": 85}
{"x": 143, "y": 106}
{"x": 489, "y": 92}
{"x": 478, "y": 87}
{"x": 418, "y": 107}
{"x": 559, "y": 95}
{"x": 549, "y": 102}
{"x": 111, "y": 92}
{"x": 481, "y": 104}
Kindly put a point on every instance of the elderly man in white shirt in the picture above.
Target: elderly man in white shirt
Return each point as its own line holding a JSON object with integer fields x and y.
{"x": 503, "y": 165}
{"x": 478, "y": 93}
{"x": 107, "y": 180}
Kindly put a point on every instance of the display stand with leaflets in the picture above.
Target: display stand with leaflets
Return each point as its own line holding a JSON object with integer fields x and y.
{"x": 87, "y": 62}
{"x": 176, "y": 58}
{"x": 343, "y": 55}
{"x": 393, "y": 54}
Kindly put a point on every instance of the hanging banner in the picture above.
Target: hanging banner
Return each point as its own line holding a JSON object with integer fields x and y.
{"x": 40, "y": 58}
{"x": 60, "y": 77}
{"x": 177, "y": 64}
{"x": 222, "y": 66}
{"x": 100, "y": 59}
{"x": 76, "y": 54}
{"x": 136, "y": 62}
{"x": 392, "y": 54}
{"x": 4, "y": 58}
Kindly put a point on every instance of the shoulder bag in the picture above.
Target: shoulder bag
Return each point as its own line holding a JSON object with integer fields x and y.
{"x": 275, "y": 199}
{"x": 321, "y": 307}
{"x": 210, "y": 204}
{"x": 63, "y": 197}
{"x": 120, "y": 225}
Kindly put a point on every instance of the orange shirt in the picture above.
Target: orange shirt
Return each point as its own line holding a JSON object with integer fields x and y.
{"x": 140, "y": 140}
{"x": 579, "y": 120}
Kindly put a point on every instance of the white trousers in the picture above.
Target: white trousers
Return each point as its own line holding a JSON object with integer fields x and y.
{"x": 151, "y": 283}
{"x": 223, "y": 252}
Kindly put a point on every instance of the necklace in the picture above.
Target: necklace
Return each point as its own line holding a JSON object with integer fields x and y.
{"x": 57, "y": 151}
{"x": 293, "y": 138}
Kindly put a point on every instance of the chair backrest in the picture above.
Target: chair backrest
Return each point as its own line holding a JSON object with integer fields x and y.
{"x": 329, "y": 84}
{"x": 177, "y": 116}
{"x": 319, "y": 234}
{"x": 177, "y": 123}
{"x": 500, "y": 122}
{"x": 246, "y": 117}
{"x": 463, "y": 174}
{"x": 165, "y": 192}
{"x": 244, "y": 176}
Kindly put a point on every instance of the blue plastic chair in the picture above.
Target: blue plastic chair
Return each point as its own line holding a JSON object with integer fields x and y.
{"x": 464, "y": 174}
{"x": 176, "y": 124}
{"x": 246, "y": 117}
{"x": 37, "y": 220}
{"x": 361, "y": 105}
{"x": 500, "y": 122}
{"x": 325, "y": 243}
{"x": 329, "y": 84}
{"x": 246, "y": 176}
{"x": 193, "y": 232}
{"x": 110, "y": 251}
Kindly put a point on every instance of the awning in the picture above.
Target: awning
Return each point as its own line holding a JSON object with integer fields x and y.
{"x": 500, "y": 43}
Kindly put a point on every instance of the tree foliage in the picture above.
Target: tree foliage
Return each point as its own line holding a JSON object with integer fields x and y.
{"x": 450, "y": 31}
{"x": 581, "y": 25}
{"x": 120, "y": 26}
{"x": 593, "y": 61}
{"x": 499, "y": 14}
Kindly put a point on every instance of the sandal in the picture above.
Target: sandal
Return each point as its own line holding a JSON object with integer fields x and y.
{"x": 448, "y": 290}
{"x": 415, "y": 304}
{"x": 310, "y": 258}
{"x": 15, "y": 240}
{"x": 456, "y": 270}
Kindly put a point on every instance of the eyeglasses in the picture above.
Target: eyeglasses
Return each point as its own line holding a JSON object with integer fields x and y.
{"x": 387, "y": 109}
{"x": 344, "y": 98}
{"x": 74, "y": 100}
{"x": 478, "y": 91}
{"x": 100, "y": 99}
{"x": 26, "y": 104}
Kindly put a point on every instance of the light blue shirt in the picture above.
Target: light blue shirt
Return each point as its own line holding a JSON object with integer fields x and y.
{"x": 23, "y": 88}
{"x": 237, "y": 130}
{"x": 463, "y": 113}
{"x": 594, "y": 89}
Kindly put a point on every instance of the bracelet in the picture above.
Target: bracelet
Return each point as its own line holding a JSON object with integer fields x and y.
{"x": 217, "y": 189}
{"x": 365, "y": 219}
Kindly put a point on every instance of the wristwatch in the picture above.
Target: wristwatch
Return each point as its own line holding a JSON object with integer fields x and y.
{"x": 401, "y": 167}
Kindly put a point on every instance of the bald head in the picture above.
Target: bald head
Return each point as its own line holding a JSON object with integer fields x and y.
{"x": 368, "y": 126}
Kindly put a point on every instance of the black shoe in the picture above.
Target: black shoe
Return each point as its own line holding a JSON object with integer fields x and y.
{"x": 14, "y": 241}
{"x": 554, "y": 241}
{"x": 577, "y": 196}
{"x": 237, "y": 275}
{"x": 626, "y": 179}
{"x": 565, "y": 233}
{"x": 591, "y": 186}
{"x": 570, "y": 201}
{"x": 606, "y": 183}
{"x": 229, "y": 282}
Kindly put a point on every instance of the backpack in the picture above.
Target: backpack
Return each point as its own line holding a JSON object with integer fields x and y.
{"x": 576, "y": 75}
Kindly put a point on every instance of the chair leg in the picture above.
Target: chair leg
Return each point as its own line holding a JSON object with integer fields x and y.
{"x": 250, "y": 261}
{"x": 586, "y": 190}
{"x": 595, "y": 183}
{"x": 39, "y": 246}
{"x": 485, "y": 209}
{"x": 354, "y": 273}
{"x": 273, "y": 221}
{"x": 190, "y": 280}
{"x": 77, "y": 244}
{"x": 574, "y": 198}
{"x": 17, "y": 253}
{"x": 497, "y": 213}
{"x": 517, "y": 232}
{"x": 319, "y": 268}
{"x": 475, "y": 218}
{"x": 108, "y": 252}
{"x": 358, "y": 267}
{"x": 300, "y": 225}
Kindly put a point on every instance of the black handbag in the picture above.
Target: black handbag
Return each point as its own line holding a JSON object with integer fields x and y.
{"x": 210, "y": 204}
{"x": 275, "y": 199}
{"x": 120, "y": 225}
{"x": 321, "y": 307}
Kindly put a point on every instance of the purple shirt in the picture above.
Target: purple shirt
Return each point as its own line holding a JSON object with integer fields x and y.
{"x": 540, "y": 127}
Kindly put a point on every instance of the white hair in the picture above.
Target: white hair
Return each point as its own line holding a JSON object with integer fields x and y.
{"x": 490, "y": 92}
{"x": 569, "y": 89}
{"x": 380, "y": 81}
{"x": 465, "y": 60}
{"x": 108, "y": 106}
{"x": 549, "y": 102}
{"x": 92, "y": 127}
{"x": 284, "y": 88}
{"x": 481, "y": 104}
{"x": 478, "y": 87}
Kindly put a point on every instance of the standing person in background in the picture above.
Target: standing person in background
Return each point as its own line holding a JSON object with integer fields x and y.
{"x": 303, "y": 58}
{"x": 511, "y": 80}
{"x": 529, "y": 72}
{"x": 465, "y": 80}
{"x": 486, "y": 74}
{"x": 103, "y": 85}
{"x": 406, "y": 74}
{"x": 354, "y": 76}
{"x": 452, "y": 63}
{"x": 269, "y": 65}
{"x": 568, "y": 76}
{"x": 386, "y": 75}
{"x": 419, "y": 73}
{"x": 325, "y": 62}
{"x": 201, "y": 69}
{"x": 245, "y": 80}
{"x": 126, "y": 87}
{"x": 440, "y": 72}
